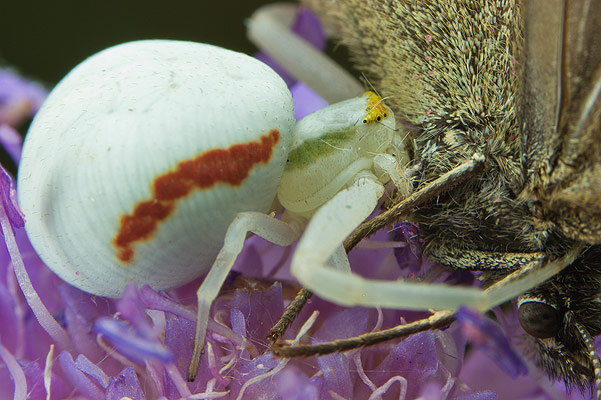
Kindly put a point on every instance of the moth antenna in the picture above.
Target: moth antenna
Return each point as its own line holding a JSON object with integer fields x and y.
{"x": 593, "y": 357}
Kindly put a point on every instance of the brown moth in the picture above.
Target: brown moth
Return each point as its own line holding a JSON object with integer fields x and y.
{"x": 518, "y": 82}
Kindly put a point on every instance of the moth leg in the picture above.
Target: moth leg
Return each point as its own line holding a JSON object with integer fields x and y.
{"x": 516, "y": 283}
{"x": 339, "y": 260}
{"x": 437, "y": 320}
{"x": 289, "y": 315}
{"x": 527, "y": 277}
{"x": 449, "y": 180}
{"x": 267, "y": 227}
{"x": 269, "y": 30}
{"x": 476, "y": 260}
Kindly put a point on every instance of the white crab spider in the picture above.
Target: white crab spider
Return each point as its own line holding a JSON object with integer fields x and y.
{"x": 147, "y": 152}
{"x": 332, "y": 223}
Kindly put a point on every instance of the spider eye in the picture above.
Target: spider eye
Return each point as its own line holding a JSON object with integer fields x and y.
{"x": 539, "y": 319}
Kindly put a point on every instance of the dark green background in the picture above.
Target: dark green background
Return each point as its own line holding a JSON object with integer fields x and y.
{"x": 44, "y": 39}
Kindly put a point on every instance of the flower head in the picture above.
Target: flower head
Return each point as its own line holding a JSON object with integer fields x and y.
{"x": 19, "y": 98}
{"x": 59, "y": 342}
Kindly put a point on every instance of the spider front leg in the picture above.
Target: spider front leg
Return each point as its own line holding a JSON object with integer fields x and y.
{"x": 352, "y": 289}
{"x": 325, "y": 233}
{"x": 327, "y": 229}
{"x": 387, "y": 169}
{"x": 269, "y": 30}
{"x": 531, "y": 275}
{"x": 331, "y": 149}
{"x": 336, "y": 219}
{"x": 265, "y": 226}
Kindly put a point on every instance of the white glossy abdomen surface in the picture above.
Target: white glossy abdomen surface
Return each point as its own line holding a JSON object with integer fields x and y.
{"x": 141, "y": 157}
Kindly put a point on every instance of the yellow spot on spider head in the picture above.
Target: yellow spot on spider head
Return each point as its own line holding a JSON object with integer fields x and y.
{"x": 376, "y": 110}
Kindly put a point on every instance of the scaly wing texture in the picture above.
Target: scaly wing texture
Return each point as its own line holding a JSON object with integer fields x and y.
{"x": 563, "y": 113}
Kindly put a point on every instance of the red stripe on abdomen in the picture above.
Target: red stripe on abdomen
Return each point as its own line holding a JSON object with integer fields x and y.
{"x": 228, "y": 166}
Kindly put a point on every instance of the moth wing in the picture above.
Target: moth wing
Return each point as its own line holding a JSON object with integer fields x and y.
{"x": 562, "y": 110}
{"x": 542, "y": 89}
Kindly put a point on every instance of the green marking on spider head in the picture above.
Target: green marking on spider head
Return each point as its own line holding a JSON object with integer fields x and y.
{"x": 315, "y": 148}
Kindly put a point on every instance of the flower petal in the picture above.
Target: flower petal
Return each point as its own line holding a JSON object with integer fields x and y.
{"x": 415, "y": 359}
{"x": 488, "y": 335}
{"x": 19, "y": 98}
{"x": 125, "y": 385}
{"x": 410, "y": 256}
{"x": 11, "y": 141}
{"x": 130, "y": 343}
{"x": 9, "y": 199}
{"x": 305, "y": 100}
{"x": 92, "y": 370}
{"x": 77, "y": 378}
{"x": 293, "y": 384}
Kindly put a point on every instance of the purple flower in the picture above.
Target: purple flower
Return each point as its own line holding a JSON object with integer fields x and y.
{"x": 9, "y": 201}
{"x": 11, "y": 141}
{"x": 139, "y": 346}
{"x": 409, "y": 256}
{"x": 59, "y": 341}
{"x": 19, "y": 98}
{"x": 489, "y": 336}
{"x": 130, "y": 342}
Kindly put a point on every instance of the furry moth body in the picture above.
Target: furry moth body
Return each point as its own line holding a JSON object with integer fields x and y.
{"x": 520, "y": 82}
